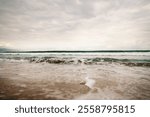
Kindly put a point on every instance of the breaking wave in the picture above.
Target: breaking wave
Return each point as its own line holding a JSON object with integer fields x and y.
{"x": 129, "y": 59}
{"x": 86, "y": 61}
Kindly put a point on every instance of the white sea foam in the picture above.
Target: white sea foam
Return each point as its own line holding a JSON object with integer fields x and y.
{"x": 89, "y": 82}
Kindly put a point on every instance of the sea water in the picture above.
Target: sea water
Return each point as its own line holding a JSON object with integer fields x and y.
{"x": 109, "y": 75}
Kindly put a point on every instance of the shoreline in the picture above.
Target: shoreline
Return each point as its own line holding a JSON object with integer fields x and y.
{"x": 30, "y": 80}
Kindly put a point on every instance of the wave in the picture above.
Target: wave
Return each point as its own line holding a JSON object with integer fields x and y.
{"x": 89, "y": 61}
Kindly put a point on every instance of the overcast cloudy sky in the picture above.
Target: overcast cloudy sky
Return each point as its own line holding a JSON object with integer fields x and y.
{"x": 75, "y": 24}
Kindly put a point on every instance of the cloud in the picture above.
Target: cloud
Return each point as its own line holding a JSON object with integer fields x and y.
{"x": 75, "y": 24}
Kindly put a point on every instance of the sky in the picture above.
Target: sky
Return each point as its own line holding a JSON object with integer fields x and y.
{"x": 75, "y": 24}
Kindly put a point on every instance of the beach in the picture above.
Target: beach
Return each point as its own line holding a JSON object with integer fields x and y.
{"x": 51, "y": 79}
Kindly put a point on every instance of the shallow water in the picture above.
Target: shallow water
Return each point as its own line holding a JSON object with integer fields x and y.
{"x": 74, "y": 77}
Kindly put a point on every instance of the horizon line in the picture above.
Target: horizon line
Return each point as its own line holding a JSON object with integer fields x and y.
{"x": 69, "y": 51}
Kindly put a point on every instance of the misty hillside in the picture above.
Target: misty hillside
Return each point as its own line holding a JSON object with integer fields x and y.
{"x": 5, "y": 49}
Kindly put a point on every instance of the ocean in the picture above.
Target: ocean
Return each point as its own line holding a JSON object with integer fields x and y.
{"x": 128, "y": 58}
{"x": 75, "y": 75}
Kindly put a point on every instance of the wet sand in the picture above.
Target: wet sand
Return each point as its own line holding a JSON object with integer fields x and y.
{"x": 26, "y": 80}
